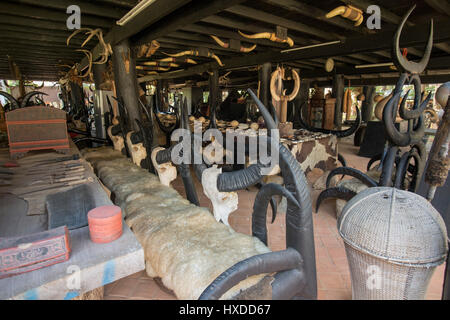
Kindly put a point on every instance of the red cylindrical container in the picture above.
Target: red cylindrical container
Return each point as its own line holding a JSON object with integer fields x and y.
{"x": 105, "y": 223}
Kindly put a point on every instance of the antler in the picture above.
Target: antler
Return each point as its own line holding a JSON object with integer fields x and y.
{"x": 107, "y": 50}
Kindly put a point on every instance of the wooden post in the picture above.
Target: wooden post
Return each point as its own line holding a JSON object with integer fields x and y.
{"x": 367, "y": 104}
{"x": 338, "y": 93}
{"x": 97, "y": 71}
{"x": 264, "y": 87}
{"x": 213, "y": 96}
{"x": 126, "y": 81}
{"x": 301, "y": 103}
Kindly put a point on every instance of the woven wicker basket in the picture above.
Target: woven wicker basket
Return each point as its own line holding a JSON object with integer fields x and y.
{"x": 394, "y": 240}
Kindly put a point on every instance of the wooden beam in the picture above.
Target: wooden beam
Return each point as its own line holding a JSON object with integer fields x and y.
{"x": 435, "y": 63}
{"x": 276, "y": 20}
{"x": 385, "y": 80}
{"x": 32, "y": 37}
{"x": 53, "y": 15}
{"x": 413, "y": 36}
{"x": 192, "y": 13}
{"x": 237, "y": 24}
{"x": 226, "y": 34}
{"x": 391, "y": 17}
{"x": 85, "y": 7}
{"x": 30, "y": 21}
{"x": 150, "y": 15}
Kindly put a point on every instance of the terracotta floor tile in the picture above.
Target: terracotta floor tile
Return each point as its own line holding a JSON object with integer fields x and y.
{"x": 145, "y": 289}
{"x": 124, "y": 287}
{"x": 331, "y": 280}
{"x": 338, "y": 295}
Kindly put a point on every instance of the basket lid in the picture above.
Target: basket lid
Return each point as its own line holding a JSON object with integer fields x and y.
{"x": 395, "y": 225}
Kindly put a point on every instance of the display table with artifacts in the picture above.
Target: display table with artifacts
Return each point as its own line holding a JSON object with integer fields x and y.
{"x": 46, "y": 251}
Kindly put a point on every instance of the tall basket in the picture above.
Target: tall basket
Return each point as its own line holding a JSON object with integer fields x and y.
{"x": 394, "y": 240}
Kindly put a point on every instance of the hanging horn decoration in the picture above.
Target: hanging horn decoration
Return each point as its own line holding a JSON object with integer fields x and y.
{"x": 159, "y": 64}
{"x": 175, "y": 60}
{"x": 400, "y": 60}
{"x": 277, "y": 76}
{"x": 199, "y": 53}
{"x": 349, "y": 12}
{"x": 106, "y": 47}
{"x": 227, "y": 45}
{"x": 269, "y": 36}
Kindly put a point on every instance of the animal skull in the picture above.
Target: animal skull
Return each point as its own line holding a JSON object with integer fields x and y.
{"x": 223, "y": 202}
{"x": 166, "y": 171}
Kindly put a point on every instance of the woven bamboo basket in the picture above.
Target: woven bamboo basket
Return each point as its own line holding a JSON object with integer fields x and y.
{"x": 394, "y": 240}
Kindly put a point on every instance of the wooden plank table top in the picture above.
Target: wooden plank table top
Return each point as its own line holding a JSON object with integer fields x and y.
{"x": 90, "y": 265}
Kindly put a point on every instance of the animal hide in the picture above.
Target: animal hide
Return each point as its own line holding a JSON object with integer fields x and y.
{"x": 184, "y": 245}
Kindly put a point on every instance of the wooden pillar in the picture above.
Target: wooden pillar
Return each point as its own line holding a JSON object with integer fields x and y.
{"x": 301, "y": 103}
{"x": 213, "y": 96}
{"x": 264, "y": 87}
{"x": 338, "y": 93}
{"x": 126, "y": 81}
{"x": 98, "y": 70}
{"x": 367, "y": 104}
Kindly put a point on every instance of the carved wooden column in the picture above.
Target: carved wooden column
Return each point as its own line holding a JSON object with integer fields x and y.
{"x": 338, "y": 93}
{"x": 124, "y": 63}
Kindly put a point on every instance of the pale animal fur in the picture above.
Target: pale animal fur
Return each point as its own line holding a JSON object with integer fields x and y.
{"x": 184, "y": 245}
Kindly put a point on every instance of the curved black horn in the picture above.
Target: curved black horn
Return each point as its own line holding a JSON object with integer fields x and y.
{"x": 270, "y": 123}
{"x": 388, "y": 167}
{"x": 336, "y": 192}
{"x": 396, "y": 137}
{"x": 263, "y": 263}
{"x": 259, "y": 215}
{"x": 28, "y": 96}
{"x": 13, "y": 101}
{"x": 400, "y": 61}
{"x": 341, "y": 159}
{"x": 400, "y": 171}
{"x": 374, "y": 159}
{"x": 238, "y": 180}
{"x": 364, "y": 178}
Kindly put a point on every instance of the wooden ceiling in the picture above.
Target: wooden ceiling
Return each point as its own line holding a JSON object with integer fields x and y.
{"x": 33, "y": 35}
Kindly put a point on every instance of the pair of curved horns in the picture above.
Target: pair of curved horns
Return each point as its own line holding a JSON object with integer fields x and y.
{"x": 269, "y": 36}
{"x": 227, "y": 45}
{"x": 278, "y": 75}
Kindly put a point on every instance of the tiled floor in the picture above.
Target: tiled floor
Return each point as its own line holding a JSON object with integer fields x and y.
{"x": 333, "y": 276}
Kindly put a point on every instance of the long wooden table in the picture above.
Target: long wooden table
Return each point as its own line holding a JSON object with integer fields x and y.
{"x": 90, "y": 266}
